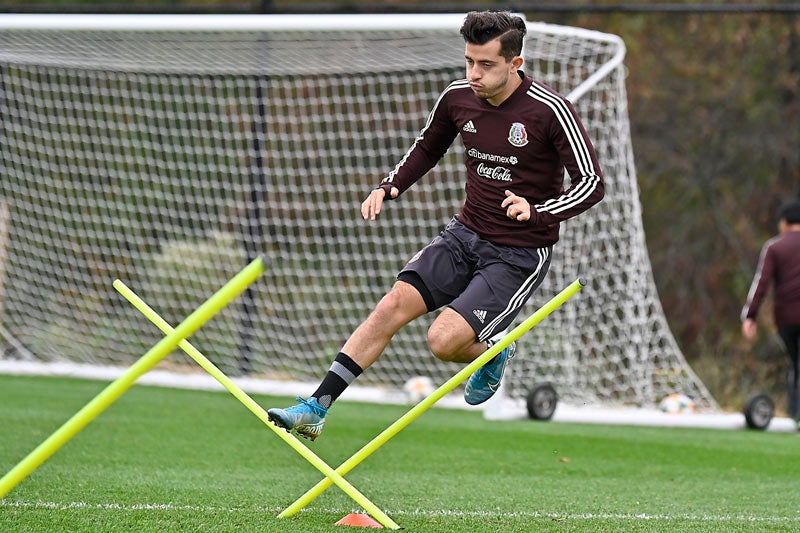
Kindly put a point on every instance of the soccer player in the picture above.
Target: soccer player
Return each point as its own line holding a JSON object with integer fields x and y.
{"x": 519, "y": 136}
{"x": 779, "y": 264}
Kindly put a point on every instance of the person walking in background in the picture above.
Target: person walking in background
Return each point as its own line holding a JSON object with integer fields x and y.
{"x": 519, "y": 136}
{"x": 779, "y": 265}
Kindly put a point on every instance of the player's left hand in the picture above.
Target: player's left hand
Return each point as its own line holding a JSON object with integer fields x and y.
{"x": 517, "y": 207}
{"x": 749, "y": 329}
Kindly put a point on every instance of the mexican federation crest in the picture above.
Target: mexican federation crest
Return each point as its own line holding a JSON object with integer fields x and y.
{"x": 517, "y": 134}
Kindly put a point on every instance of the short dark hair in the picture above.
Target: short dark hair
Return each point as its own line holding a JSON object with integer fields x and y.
{"x": 480, "y": 27}
{"x": 790, "y": 212}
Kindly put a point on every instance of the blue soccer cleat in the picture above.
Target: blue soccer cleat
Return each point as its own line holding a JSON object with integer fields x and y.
{"x": 486, "y": 380}
{"x": 306, "y": 418}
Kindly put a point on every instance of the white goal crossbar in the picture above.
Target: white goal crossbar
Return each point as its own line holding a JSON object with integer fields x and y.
{"x": 229, "y": 23}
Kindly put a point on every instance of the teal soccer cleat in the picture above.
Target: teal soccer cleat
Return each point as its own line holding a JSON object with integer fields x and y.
{"x": 306, "y": 418}
{"x": 486, "y": 380}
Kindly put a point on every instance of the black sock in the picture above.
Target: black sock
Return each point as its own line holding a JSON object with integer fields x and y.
{"x": 489, "y": 344}
{"x": 341, "y": 374}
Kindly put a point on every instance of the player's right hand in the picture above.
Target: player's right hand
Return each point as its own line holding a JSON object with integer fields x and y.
{"x": 749, "y": 329}
{"x": 371, "y": 207}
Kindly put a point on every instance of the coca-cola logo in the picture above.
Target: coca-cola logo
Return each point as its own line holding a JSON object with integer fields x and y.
{"x": 494, "y": 173}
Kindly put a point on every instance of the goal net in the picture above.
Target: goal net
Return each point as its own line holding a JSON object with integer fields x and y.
{"x": 168, "y": 151}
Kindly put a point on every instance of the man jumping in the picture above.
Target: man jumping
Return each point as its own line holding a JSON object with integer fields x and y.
{"x": 519, "y": 136}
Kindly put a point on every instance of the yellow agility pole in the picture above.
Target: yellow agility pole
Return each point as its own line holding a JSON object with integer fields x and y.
{"x": 256, "y": 409}
{"x": 89, "y": 412}
{"x": 437, "y": 395}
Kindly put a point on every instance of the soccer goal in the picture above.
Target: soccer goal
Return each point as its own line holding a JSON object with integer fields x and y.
{"x": 168, "y": 151}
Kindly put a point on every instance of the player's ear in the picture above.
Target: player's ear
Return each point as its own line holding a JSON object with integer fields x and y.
{"x": 517, "y": 62}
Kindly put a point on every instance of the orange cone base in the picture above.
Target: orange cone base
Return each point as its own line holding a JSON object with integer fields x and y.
{"x": 359, "y": 520}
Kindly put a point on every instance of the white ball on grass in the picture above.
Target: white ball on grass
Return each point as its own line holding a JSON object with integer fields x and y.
{"x": 676, "y": 404}
{"x": 418, "y": 388}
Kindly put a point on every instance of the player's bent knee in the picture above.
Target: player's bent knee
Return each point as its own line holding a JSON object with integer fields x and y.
{"x": 438, "y": 348}
{"x": 399, "y": 306}
{"x": 444, "y": 346}
{"x": 450, "y": 337}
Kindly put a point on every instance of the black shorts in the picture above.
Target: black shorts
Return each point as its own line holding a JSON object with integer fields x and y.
{"x": 485, "y": 283}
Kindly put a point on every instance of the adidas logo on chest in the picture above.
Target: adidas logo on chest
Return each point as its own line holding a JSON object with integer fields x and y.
{"x": 469, "y": 127}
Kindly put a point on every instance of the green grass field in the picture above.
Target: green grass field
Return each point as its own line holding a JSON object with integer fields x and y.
{"x": 177, "y": 460}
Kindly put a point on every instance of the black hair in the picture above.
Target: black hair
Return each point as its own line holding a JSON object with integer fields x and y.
{"x": 790, "y": 212}
{"x": 480, "y": 27}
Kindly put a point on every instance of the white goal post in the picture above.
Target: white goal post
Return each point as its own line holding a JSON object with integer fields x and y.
{"x": 168, "y": 151}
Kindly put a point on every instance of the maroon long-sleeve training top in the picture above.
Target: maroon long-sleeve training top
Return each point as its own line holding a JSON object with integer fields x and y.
{"x": 522, "y": 145}
{"x": 778, "y": 264}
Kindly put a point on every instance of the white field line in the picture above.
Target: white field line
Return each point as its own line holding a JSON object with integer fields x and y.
{"x": 417, "y": 512}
